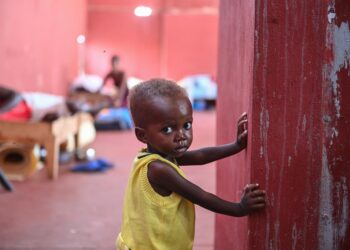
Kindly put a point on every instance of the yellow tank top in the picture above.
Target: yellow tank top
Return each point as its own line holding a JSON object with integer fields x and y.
{"x": 152, "y": 221}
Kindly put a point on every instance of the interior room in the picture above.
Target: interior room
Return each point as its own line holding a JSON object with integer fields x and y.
{"x": 50, "y": 50}
{"x": 268, "y": 83}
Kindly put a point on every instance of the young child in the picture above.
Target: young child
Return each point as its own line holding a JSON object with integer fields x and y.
{"x": 159, "y": 203}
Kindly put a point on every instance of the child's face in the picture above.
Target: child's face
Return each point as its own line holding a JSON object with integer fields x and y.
{"x": 169, "y": 133}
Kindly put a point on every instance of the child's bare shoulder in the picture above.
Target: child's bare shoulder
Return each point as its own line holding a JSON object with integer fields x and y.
{"x": 162, "y": 176}
{"x": 160, "y": 168}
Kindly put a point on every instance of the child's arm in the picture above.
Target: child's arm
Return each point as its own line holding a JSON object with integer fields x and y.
{"x": 210, "y": 154}
{"x": 165, "y": 178}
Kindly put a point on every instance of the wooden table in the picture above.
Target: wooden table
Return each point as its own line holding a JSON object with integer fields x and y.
{"x": 49, "y": 135}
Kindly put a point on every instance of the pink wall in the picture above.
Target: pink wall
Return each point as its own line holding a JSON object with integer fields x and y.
{"x": 189, "y": 4}
{"x": 38, "y": 43}
{"x": 190, "y": 44}
{"x": 179, "y": 39}
{"x": 114, "y": 29}
{"x": 298, "y": 123}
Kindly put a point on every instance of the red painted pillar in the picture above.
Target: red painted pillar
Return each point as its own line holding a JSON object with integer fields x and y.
{"x": 288, "y": 64}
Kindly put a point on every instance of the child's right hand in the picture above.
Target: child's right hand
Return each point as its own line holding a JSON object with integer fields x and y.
{"x": 252, "y": 199}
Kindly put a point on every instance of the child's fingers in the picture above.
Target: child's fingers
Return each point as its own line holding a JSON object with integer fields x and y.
{"x": 239, "y": 123}
{"x": 243, "y": 116}
{"x": 258, "y": 206}
{"x": 258, "y": 193}
{"x": 257, "y": 200}
{"x": 250, "y": 187}
{"x": 243, "y": 134}
{"x": 254, "y": 186}
{"x": 242, "y": 124}
{"x": 241, "y": 127}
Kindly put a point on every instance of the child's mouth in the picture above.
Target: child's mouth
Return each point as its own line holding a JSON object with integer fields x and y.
{"x": 181, "y": 149}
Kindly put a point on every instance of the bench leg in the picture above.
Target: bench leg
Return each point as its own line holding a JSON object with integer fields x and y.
{"x": 52, "y": 154}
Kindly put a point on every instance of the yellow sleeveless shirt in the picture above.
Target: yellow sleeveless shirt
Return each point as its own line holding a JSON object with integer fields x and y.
{"x": 152, "y": 221}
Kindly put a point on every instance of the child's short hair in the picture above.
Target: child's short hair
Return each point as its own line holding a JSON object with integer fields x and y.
{"x": 141, "y": 94}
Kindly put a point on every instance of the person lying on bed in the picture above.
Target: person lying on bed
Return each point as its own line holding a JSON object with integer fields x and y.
{"x": 36, "y": 106}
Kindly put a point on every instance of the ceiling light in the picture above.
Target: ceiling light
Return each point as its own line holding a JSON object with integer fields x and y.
{"x": 143, "y": 11}
{"x": 81, "y": 39}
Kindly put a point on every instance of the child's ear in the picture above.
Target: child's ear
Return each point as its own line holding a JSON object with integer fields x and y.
{"x": 141, "y": 135}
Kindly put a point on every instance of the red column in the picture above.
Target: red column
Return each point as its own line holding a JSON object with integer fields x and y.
{"x": 288, "y": 64}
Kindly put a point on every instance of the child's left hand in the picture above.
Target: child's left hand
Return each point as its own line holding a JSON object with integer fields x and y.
{"x": 242, "y": 131}
{"x": 252, "y": 199}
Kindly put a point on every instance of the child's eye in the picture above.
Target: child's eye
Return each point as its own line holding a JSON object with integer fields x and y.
{"x": 167, "y": 130}
{"x": 187, "y": 125}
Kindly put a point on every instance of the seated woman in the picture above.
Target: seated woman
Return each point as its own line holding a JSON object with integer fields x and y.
{"x": 118, "y": 77}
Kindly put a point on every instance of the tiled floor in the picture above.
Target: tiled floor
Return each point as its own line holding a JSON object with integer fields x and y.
{"x": 83, "y": 211}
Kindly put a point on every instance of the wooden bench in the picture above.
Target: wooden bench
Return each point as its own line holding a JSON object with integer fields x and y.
{"x": 49, "y": 135}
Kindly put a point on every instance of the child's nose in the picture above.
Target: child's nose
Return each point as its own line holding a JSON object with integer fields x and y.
{"x": 180, "y": 135}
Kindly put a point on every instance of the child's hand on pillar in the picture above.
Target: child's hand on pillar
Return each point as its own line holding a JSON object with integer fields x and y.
{"x": 252, "y": 199}
{"x": 242, "y": 131}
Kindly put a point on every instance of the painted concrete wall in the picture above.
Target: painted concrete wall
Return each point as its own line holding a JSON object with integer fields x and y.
{"x": 298, "y": 91}
{"x": 114, "y": 29}
{"x": 189, "y": 43}
{"x": 178, "y": 40}
{"x": 38, "y": 48}
{"x": 39, "y": 51}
